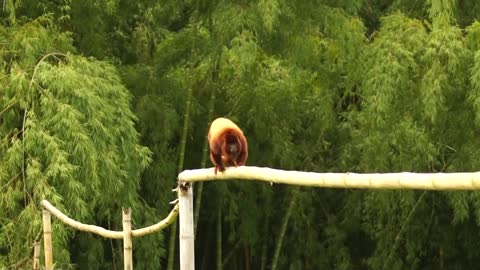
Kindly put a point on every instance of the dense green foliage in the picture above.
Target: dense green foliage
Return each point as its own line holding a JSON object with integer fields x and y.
{"x": 364, "y": 86}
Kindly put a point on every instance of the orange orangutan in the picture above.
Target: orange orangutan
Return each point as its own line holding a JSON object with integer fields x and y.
{"x": 228, "y": 145}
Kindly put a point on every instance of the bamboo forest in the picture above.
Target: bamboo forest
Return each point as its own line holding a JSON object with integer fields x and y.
{"x": 103, "y": 103}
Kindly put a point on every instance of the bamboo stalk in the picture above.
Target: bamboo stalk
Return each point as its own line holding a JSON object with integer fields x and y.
{"x": 206, "y": 247}
{"x": 402, "y": 180}
{"x": 107, "y": 233}
{"x": 183, "y": 141}
{"x": 265, "y": 238}
{"x": 47, "y": 239}
{"x": 219, "y": 259}
{"x": 186, "y": 232}
{"x": 181, "y": 160}
{"x": 283, "y": 229}
{"x": 206, "y": 144}
{"x": 127, "y": 239}
{"x": 232, "y": 252}
{"x": 36, "y": 255}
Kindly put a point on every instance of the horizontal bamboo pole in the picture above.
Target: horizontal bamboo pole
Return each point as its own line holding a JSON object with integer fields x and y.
{"x": 402, "y": 180}
{"x": 107, "y": 233}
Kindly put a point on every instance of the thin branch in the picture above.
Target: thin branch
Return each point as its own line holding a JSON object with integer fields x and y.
{"x": 39, "y": 234}
{"x": 11, "y": 134}
{"x": 231, "y": 253}
{"x": 39, "y": 62}
{"x": 8, "y": 107}
{"x": 402, "y": 229}
{"x": 10, "y": 181}
{"x": 24, "y": 122}
{"x": 19, "y": 263}
{"x": 23, "y": 159}
{"x": 401, "y": 180}
{"x": 113, "y": 250}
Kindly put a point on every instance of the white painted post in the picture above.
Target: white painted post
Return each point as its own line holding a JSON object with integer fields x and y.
{"x": 187, "y": 237}
{"x": 127, "y": 239}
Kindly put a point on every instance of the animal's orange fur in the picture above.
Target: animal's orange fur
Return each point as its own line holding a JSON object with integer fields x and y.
{"x": 228, "y": 145}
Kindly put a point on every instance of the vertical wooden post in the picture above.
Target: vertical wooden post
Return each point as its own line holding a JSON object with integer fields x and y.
{"x": 47, "y": 239}
{"x": 36, "y": 255}
{"x": 187, "y": 237}
{"x": 127, "y": 239}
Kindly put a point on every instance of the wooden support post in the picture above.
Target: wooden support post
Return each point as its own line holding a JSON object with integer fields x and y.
{"x": 47, "y": 239}
{"x": 127, "y": 239}
{"x": 187, "y": 237}
{"x": 36, "y": 255}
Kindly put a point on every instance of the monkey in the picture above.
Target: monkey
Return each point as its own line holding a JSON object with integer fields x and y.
{"x": 228, "y": 145}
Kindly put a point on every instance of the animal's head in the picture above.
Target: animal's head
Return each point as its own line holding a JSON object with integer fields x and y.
{"x": 231, "y": 149}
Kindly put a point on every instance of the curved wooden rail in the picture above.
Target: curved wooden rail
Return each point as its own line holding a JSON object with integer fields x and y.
{"x": 108, "y": 233}
{"x": 126, "y": 234}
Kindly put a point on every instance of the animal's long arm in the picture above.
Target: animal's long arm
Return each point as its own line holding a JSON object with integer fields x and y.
{"x": 216, "y": 157}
